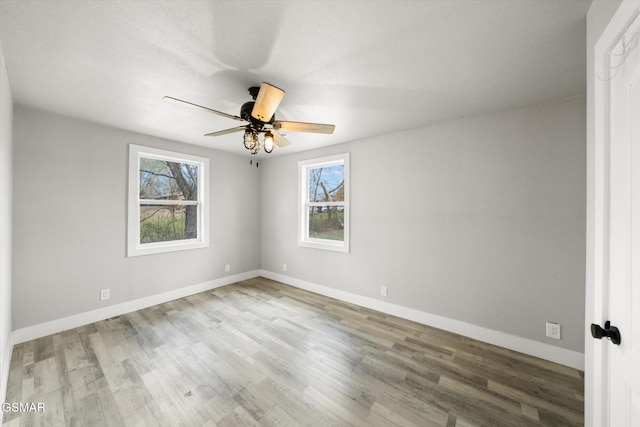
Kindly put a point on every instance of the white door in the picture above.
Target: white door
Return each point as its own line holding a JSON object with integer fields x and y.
{"x": 617, "y": 188}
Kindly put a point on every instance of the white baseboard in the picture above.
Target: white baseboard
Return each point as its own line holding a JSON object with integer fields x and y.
{"x": 70, "y": 322}
{"x": 4, "y": 372}
{"x": 545, "y": 351}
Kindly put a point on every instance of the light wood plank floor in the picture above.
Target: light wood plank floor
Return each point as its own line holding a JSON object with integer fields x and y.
{"x": 260, "y": 352}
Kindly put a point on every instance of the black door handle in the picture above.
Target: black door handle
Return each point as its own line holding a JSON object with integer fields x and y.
{"x": 610, "y": 332}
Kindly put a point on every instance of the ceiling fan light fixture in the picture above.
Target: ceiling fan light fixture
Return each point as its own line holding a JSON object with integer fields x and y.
{"x": 268, "y": 142}
{"x": 250, "y": 139}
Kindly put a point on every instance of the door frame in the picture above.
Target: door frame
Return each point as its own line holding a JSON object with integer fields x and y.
{"x": 597, "y": 260}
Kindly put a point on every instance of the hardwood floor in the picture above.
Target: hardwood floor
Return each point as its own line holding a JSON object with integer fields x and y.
{"x": 260, "y": 352}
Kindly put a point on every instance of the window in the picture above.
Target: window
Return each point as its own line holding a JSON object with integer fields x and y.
{"x": 168, "y": 201}
{"x": 323, "y": 217}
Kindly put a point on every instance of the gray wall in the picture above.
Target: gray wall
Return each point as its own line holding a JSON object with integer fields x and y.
{"x": 6, "y": 138}
{"x": 69, "y": 205}
{"x": 481, "y": 220}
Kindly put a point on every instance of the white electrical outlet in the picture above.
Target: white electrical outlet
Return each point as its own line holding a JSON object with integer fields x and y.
{"x": 105, "y": 294}
{"x": 383, "y": 291}
{"x": 227, "y": 268}
{"x": 553, "y": 330}
{"x": 284, "y": 267}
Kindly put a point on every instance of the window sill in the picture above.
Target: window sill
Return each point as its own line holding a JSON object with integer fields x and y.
{"x": 154, "y": 248}
{"x": 326, "y": 245}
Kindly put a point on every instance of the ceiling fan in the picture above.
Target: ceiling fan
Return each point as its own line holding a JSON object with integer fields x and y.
{"x": 261, "y": 120}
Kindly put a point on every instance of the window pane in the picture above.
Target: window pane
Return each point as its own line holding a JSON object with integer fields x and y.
{"x": 326, "y": 184}
{"x": 161, "y": 223}
{"x": 326, "y": 222}
{"x": 164, "y": 180}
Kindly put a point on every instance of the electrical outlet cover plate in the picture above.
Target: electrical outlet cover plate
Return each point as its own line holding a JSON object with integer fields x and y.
{"x": 383, "y": 291}
{"x": 105, "y": 294}
{"x": 553, "y": 330}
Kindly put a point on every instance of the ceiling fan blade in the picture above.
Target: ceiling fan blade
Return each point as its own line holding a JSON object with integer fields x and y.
{"x": 303, "y": 127}
{"x": 220, "y": 113}
{"x": 226, "y": 131}
{"x": 267, "y": 102}
{"x": 280, "y": 140}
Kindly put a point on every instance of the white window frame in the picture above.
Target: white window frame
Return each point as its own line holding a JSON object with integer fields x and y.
{"x": 303, "y": 203}
{"x": 134, "y": 247}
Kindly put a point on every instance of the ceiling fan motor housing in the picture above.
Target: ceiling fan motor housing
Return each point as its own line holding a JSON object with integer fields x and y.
{"x": 245, "y": 113}
{"x": 254, "y": 91}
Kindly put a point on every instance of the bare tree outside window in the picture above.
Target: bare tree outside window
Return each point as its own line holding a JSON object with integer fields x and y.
{"x": 168, "y": 200}
{"x": 326, "y": 202}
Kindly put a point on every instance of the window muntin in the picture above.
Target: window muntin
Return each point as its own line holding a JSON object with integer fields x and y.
{"x": 324, "y": 199}
{"x": 168, "y": 208}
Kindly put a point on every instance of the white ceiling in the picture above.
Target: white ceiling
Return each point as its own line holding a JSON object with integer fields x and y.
{"x": 369, "y": 67}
